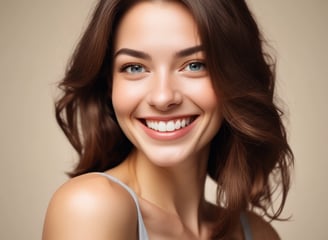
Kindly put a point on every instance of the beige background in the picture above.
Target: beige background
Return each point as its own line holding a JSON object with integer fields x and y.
{"x": 36, "y": 39}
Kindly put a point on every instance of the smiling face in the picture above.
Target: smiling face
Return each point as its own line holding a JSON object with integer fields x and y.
{"x": 162, "y": 93}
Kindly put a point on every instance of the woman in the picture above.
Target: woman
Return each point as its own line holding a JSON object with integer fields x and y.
{"x": 158, "y": 95}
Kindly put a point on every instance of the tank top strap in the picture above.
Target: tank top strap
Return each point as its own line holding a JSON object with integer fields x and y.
{"x": 246, "y": 227}
{"x": 141, "y": 226}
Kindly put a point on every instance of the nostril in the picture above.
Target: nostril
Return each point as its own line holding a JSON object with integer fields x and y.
{"x": 165, "y": 107}
{"x": 165, "y": 100}
{"x": 171, "y": 105}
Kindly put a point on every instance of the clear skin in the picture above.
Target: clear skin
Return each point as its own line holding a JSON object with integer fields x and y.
{"x": 159, "y": 75}
{"x": 165, "y": 83}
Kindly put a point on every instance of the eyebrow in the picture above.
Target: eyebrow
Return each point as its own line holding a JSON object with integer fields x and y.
{"x": 139, "y": 54}
{"x": 132, "y": 53}
{"x": 189, "y": 51}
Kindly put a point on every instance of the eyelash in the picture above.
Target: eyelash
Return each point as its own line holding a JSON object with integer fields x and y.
{"x": 125, "y": 67}
{"x": 198, "y": 62}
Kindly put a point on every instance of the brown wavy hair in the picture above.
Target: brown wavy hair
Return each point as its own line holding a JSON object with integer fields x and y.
{"x": 249, "y": 157}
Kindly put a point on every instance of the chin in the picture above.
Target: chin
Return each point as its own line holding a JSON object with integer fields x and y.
{"x": 168, "y": 157}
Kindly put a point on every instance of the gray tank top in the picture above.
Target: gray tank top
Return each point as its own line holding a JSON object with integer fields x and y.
{"x": 141, "y": 226}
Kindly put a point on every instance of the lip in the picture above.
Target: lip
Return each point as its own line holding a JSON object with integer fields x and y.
{"x": 168, "y": 135}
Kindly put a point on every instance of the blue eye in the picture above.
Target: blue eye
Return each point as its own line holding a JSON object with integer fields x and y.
{"x": 195, "y": 67}
{"x": 133, "y": 68}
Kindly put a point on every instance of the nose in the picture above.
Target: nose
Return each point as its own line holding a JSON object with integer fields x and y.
{"x": 164, "y": 93}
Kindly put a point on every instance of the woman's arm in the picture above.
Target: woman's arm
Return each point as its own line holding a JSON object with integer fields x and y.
{"x": 90, "y": 207}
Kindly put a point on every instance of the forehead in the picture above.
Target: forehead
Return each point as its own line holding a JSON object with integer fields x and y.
{"x": 165, "y": 23}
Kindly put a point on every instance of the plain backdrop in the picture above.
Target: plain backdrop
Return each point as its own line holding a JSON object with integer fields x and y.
{"x": 37, "y": 38}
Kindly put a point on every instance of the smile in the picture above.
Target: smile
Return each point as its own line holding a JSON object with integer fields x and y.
{"x": 169, "y": 126}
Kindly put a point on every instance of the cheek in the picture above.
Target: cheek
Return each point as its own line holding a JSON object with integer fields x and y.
{"x": 203, "y": 95}
{"x": 120, "y": 95}
{"x": 125, "y": 96}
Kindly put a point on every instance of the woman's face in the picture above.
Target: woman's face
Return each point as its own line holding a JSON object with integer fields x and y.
{"x": 162, "y": 92}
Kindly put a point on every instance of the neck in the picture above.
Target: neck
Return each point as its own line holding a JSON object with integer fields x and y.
{"x": 176, "y": 190}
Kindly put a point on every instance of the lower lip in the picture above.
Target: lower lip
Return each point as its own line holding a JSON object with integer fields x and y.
{"x": 167, "y": 136}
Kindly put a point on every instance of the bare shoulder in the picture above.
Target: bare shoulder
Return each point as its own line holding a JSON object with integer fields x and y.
{"x": 261, "y": 229}
{"x": 90, "y": 207}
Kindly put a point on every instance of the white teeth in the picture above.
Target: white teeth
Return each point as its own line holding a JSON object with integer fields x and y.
{"x": 162, "y": 127}
{"x": 177, "y": 125}
{"x": 168, "y": 126}
{"x": 183, "y": 123}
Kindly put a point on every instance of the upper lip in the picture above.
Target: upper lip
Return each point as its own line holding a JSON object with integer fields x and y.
{"x": 167, "y": 118}
{"x": 146, "y": 121}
